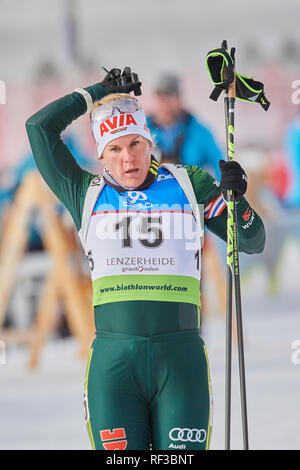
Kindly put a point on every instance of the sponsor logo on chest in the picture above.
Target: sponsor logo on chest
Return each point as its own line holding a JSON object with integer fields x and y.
{"x": 137, "y": 200}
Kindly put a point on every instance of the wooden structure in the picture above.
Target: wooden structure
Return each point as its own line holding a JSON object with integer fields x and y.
{"x": 63, "y": 284}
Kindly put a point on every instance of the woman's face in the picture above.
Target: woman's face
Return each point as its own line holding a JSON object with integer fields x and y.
{"x": 128, "y": 159}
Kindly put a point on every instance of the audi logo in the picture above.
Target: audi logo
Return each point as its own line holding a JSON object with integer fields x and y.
{"x": 187, "y": 435}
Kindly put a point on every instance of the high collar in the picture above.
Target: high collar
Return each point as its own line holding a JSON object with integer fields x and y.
{"x": 150, "y": 177}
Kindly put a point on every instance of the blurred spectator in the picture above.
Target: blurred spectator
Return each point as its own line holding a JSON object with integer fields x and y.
{"x": 279, "y": 176}
{"x": 179, "y": 136}
{"x": 292, "y": 151}
{"x": 7, "y": 183}
{"x": 7, "y": 194}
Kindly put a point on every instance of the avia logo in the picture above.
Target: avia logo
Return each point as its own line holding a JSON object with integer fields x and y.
{"x": 117, "y": 122}
{"x": 187, "y": 435}
{"x": 246, "y": 215}
{"x": 116, "y": 437}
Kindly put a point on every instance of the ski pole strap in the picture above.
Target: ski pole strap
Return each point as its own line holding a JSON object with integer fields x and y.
{"x": 248, "y": 89}
{"x": 220, "y": 69}
{"x": 220, "y": 65}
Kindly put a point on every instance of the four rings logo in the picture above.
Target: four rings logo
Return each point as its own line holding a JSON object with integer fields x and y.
{"x": 187, "y": 435}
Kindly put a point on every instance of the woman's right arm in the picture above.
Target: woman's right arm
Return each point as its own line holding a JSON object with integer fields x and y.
{"x": 55, "y": 162}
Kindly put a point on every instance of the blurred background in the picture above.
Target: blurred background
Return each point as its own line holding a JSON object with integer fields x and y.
{"x": 49, "y": 48}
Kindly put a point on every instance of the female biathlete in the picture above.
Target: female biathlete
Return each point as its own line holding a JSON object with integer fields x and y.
{"x": 141, "y": 225}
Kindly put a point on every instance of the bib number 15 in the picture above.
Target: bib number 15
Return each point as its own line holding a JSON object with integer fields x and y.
{"x": 149, "y": 232}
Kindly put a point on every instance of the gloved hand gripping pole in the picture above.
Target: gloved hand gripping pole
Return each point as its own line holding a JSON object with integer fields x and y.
{"x": 221, "y": 69}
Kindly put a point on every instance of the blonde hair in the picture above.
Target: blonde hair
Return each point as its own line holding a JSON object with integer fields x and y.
{"x": 109, "y": 98}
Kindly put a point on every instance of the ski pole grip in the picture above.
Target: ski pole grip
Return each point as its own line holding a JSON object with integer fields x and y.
{"x": 232, "y": 87}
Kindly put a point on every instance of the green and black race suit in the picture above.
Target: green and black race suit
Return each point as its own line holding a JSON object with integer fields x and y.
{"x": 157, "y": 319}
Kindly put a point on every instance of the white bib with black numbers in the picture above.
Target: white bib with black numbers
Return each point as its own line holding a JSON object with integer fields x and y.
{"x": 144, "y": 245}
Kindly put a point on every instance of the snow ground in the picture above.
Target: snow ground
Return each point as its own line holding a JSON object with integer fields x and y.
{"x": 43, "y": 409}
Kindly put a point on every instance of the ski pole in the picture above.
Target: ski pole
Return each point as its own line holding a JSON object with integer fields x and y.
{"x": 228, "y": 346}
{"x": 233, "y": 271}
{"x": 228, "y": 355}
{"x": 221, "y": 69}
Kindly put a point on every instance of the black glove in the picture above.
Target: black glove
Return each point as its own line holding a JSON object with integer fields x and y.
{"x": 233, "y": 178}
{"x": 125, "y": 82}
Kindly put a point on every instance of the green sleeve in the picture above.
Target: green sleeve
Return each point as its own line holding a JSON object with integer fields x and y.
{"x": 250, "y": 228}
{"x": 55, "y": 162}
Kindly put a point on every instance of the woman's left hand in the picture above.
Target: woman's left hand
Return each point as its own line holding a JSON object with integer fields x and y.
{"x": 233, "y": 177}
